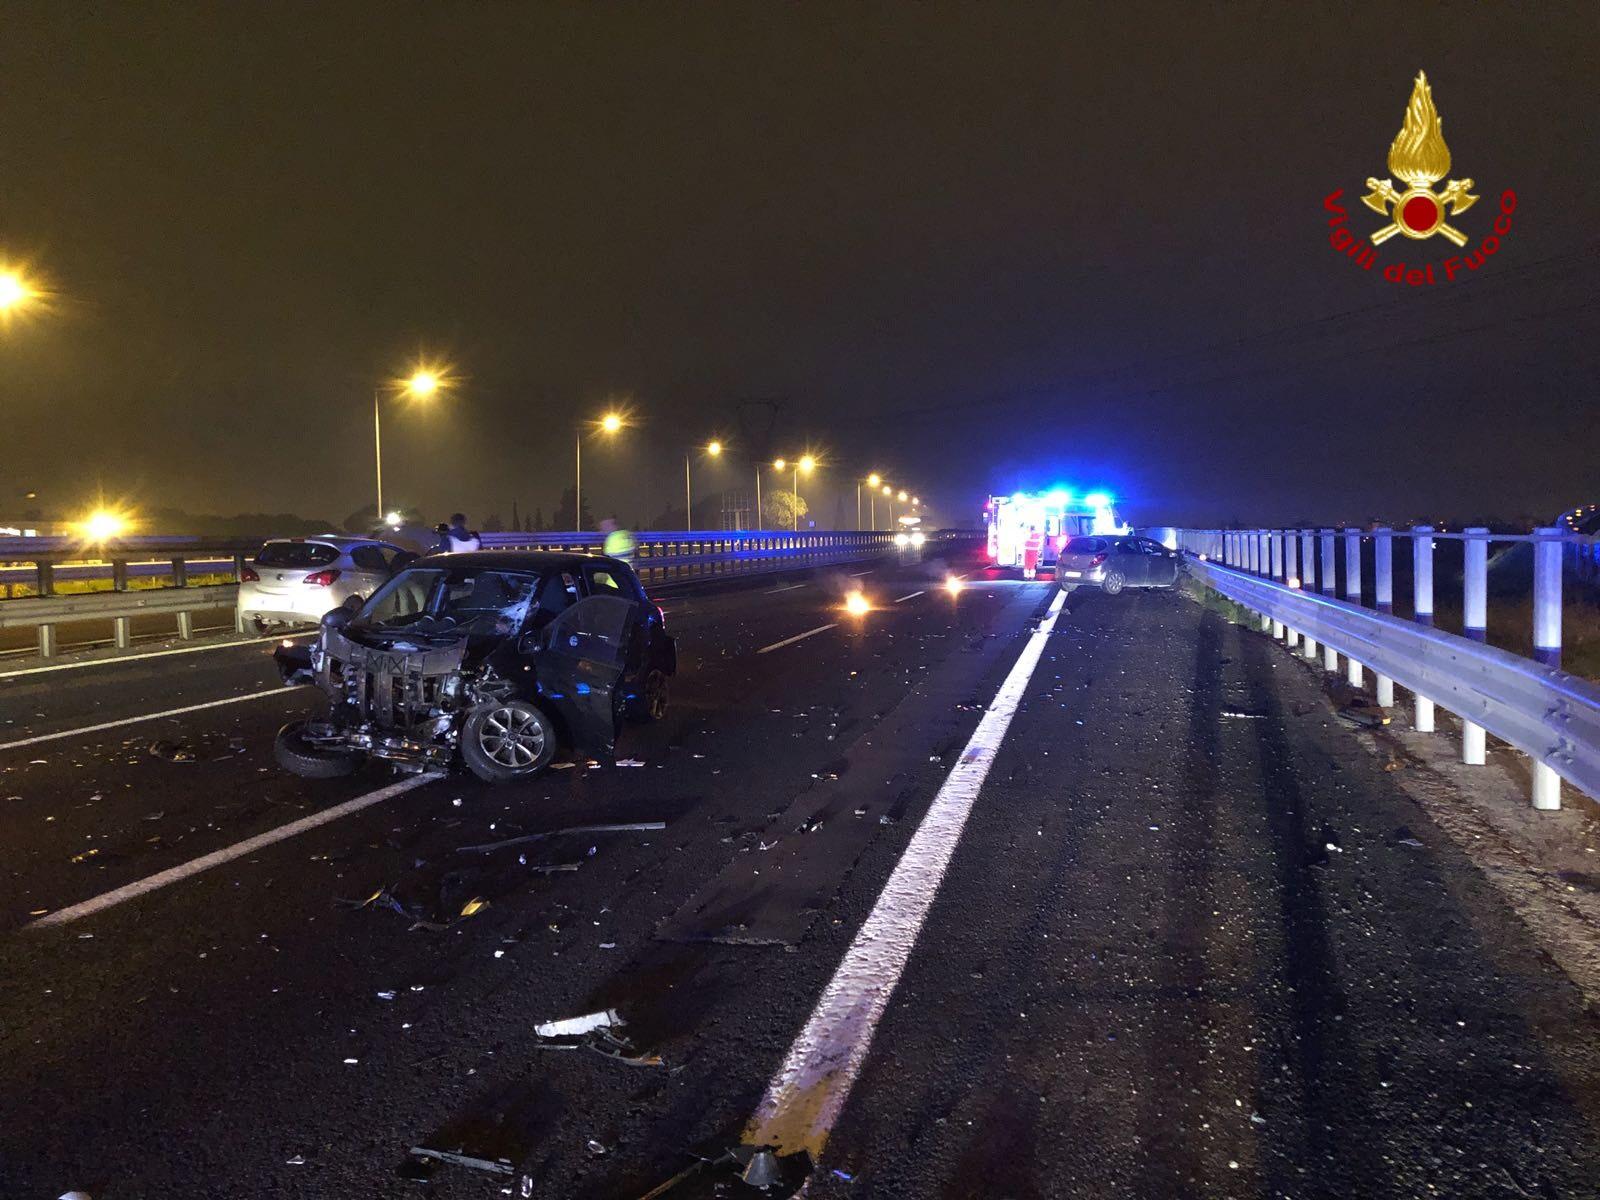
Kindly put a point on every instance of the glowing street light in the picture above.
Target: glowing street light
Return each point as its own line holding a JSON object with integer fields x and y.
{"x": 102, "y": 525}
{"x": 423, "y": 383}
{"x": 902, "y": 497}
{"x": 15, "y": 291}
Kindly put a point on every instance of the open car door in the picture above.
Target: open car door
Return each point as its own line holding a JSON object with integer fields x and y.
{"x": 581, "y": 665}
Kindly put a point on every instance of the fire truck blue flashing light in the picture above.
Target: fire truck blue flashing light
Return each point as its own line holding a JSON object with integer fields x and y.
{"x": 1097, "y": 500}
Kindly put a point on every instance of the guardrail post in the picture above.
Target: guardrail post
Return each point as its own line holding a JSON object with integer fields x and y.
{"x": 1308, "y": 561}
{"x": 45, "y": 577}
{"x": 1422, "y": 605}
{"x": 180, "y": 573}
{"x": 1352, "y": 593}
{"x": 1383, "y": 595}
{"x": 1330, "y": 587}
{"x": 122, "y": 628}
{"x": 1422, "y": 573}
{"x": 1474, "y": 622}
{"x": 48, "y": 643}
{"x": 1275, "y": 544}
{"x": 186, "y": 625}
{"x": 119, "y": 575}
{"x": 1547, "y": 641}
{"x": 1383, "y": 568}
{"x": 1291, "y": 577}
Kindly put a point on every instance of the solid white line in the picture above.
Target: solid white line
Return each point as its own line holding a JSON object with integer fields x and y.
{"x": 106, "y": 662}
{"x": 155, "y": 716}
{"x": 859, "y": 574}
{"x": 806, "y": 1096}
{"x": 788, "y": 587}
{"x": 144, "y": 887}
{"x": 799, "y": 637}
{"x": 903, "y": 599}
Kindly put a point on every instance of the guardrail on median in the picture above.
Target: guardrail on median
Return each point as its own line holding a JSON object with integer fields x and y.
{"x": 1530, "y": 703}
{"x": 657, "y": 557}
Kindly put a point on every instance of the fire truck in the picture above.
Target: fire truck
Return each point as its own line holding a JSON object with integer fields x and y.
{"x": 1057, "y": 514}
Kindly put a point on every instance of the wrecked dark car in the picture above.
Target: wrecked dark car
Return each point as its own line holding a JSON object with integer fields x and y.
{"x": 494, "y": 659}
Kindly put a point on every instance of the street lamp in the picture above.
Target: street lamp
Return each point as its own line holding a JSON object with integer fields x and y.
{"x": 422, "y": 384}
{"x": 714, "y": 449}
{"x": 873, "y": 481}
{"x": 808, "y": 465}
{"x": 611, "y": 422}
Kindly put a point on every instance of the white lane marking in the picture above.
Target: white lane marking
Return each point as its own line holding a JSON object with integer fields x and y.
{"x": 106, "y": 662}
{"x": 799, "y": 637}
{"x": 788, "y": 587}
{"x": 155, "y": 716}
{"x": 806, "y": 1096}
{"x": 859, "y": 574}
{"x": 160, "y": 880}
{"x": 903, "y": 599}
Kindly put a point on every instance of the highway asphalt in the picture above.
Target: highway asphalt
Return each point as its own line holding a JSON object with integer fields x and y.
{"x": 1185, "y": 945}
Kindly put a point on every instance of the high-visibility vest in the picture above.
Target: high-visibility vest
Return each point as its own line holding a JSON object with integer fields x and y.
{"x": 619, "y": 544}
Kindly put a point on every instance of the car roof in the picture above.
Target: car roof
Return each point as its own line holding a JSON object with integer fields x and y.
{"x": 516, "y": 560}
{"x": 343, "y": 541}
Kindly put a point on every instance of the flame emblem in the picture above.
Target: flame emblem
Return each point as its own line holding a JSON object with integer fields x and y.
{"x": 1419, "y": 158}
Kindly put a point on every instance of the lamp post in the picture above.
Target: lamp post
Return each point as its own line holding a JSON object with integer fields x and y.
{"x": 609, "y": 423}
{"x": 873, "y": 481}
{"x": 422, "y": 384}
{"x": 889, "y": 493}
{"x": 714, "y": 449}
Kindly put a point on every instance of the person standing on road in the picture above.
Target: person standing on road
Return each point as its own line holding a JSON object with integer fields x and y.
{"x": 619, "y": 542}
{"x": 1031, "y": 550}
{"x": 456, "y": 537}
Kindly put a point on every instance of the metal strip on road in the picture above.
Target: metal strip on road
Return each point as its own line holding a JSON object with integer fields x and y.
{"x": 806, "y": 1096}
{"x": 155, "y": 716}
{"x": 799, "y": 637}
{"x": 144, "y": 887}
{"x": 122, "y": 658}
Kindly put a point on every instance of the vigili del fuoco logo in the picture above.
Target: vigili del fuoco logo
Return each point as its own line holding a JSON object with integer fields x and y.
{"x": 1419, "y": 159}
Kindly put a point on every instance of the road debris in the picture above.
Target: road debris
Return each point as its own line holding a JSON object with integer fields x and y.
{"x": 625, "y": 827}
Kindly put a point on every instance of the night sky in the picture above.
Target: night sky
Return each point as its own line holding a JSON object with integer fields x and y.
{"x": 976, "y": 247}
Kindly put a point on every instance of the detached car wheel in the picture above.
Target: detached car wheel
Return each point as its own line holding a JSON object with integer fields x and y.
{"x": 309, "y": 761}
{"x": 1114, "y": 582}
{"x": 654, "y": 695}
{"x": 506, "y": 740}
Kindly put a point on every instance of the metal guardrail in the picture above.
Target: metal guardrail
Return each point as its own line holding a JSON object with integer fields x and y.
{"x": 657, "y": 557}
{"x": 1530, "y": 703}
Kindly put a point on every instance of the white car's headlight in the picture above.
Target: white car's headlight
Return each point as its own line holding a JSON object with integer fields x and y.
{"x": 918, "y": 537}
{"x": 901, "y": 539}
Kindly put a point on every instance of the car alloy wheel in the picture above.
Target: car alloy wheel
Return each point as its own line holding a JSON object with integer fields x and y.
{"x": 511, "y": 738}
{"x": 1114, "y": 583}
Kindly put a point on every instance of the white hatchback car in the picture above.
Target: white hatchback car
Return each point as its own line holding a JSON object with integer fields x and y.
{"x": 294, "y": 581}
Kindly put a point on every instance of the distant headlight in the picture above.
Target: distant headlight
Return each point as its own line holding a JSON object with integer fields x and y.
{"x": 918, "y": 537}
{"x": 901, "y": 539}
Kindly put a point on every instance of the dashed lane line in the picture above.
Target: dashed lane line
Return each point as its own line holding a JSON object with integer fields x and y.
{"x": 144, "y": 887}
{"x": 799, "y": 637}
{"x": 788, "y": 587}
{"x": 859, "y": 574}
{"x": 804, "y": 1099}
{"x": 912, "y": 596}
{"x": 155, "y": 716}
{"x": 123, "y": 658}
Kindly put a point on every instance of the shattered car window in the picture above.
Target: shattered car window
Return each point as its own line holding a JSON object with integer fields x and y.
{"x": 479, "y": 601}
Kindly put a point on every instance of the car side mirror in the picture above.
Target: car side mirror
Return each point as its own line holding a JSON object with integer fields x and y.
{"x": 339, "y": 617}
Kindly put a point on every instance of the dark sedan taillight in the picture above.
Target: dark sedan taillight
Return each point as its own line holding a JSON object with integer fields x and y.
{"x": 322, "y": 578}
